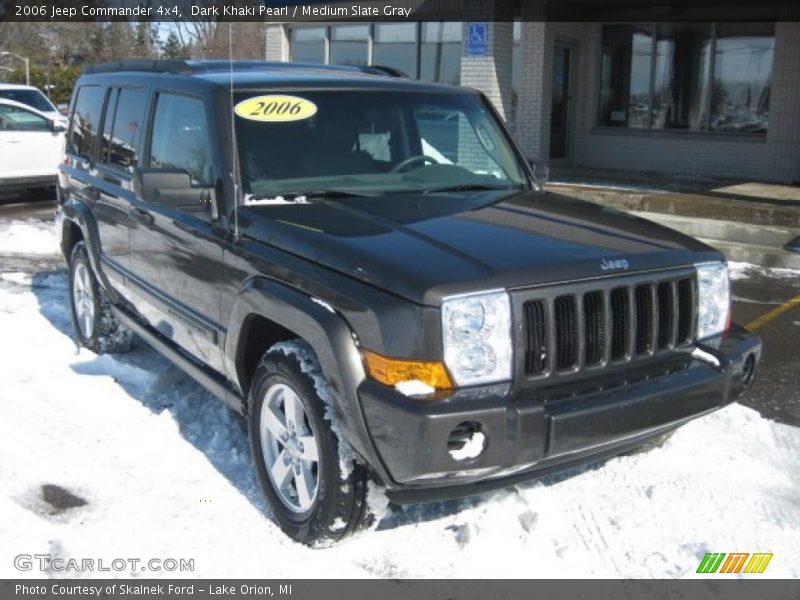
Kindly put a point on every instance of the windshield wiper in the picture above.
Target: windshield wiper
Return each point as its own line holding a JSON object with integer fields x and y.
{"x": 469, "y": 187}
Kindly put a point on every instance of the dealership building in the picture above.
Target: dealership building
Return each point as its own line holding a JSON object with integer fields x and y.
{"x": 689, "y": 96}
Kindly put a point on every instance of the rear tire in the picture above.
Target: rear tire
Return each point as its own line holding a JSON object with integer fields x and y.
{"x": 316, "y": 495}
{"x": 95, "y": 325}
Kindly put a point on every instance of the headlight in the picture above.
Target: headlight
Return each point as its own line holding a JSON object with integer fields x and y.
{"x": 714, "y": 299}
{"x": 476, "y": 330}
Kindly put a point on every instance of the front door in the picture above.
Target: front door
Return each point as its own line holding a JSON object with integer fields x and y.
{"x": 560, "y": 114}
{"x": 176, "y": 248}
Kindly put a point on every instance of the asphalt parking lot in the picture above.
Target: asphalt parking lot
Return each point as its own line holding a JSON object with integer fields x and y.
{"x": 766, "y": 300}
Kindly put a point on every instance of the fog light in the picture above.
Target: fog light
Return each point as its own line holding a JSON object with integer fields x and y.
{"x": 466, "y": 442}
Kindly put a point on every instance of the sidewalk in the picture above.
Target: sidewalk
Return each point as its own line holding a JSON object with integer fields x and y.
{"x": 748, "y": 221}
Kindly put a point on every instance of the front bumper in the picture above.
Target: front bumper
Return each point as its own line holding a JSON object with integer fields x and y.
{"x": 531, "y": 433}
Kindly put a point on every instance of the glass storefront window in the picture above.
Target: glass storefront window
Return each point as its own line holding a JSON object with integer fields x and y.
{"x": 307, "y": 44}
{"x": 742, "y": 77}
{"x": 349, "y": 45}
{"x": 681, "y": 84}
{"x": 688, "y": 76}
{"x": 395, "y": 45}
{"x": 429, "y": 51}
{"x": 440, "y": 52}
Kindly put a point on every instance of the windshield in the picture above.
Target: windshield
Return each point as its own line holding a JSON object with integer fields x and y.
{"x": 33, "y": 98}
{"x": 370, "y": 142}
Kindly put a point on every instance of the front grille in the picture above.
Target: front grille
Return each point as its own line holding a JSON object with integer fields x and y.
{"x": 611, "y": 322}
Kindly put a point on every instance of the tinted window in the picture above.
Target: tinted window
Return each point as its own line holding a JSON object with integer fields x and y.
{"x": 33, "y": 98}
{"x": 440, "y": 52}
{"x": 13, "y": 118}
{"x": 126, "y": 125}
{"x": 395, "y": 45}
{"x": 307, "y": 44}
{"x": 349, "y": 44}
{"x": 742, "y": 77}
{"x": 691, "y": 76}
{"x": 180, "y": 138}
{"x": 85, "y": 121}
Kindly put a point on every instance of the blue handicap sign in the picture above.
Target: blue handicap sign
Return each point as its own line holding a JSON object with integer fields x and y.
{"x": 477, "y": 39}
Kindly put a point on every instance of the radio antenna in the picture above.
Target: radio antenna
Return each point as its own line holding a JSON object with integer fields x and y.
{"x": 233, "y": 139}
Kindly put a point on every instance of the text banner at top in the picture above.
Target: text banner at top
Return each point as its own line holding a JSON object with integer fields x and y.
{"x": 283, "y": 11}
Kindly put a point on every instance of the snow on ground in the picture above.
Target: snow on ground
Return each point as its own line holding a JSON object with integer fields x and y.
{"x": 164, "y": 469}
{"x": 743, "y": 270}
{"x": 27, "y": 237}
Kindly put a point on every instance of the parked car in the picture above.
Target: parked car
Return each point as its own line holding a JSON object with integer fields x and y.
{"x": 31, "y": 146}
{"x": 363, "y": 267}
{"x": 34, "y": 98}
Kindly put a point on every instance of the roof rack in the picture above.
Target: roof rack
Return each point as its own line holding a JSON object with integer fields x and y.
{"x": 152, "y": 66}
{"x": 384, "y": 70}
{"x": 189, "y": 67}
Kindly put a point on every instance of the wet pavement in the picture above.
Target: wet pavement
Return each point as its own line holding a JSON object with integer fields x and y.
{"x": 776, "y": 390}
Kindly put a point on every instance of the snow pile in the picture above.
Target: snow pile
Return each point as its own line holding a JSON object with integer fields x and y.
{"x": 165, "y": 472}
{"x": 743, "y": 270}
{"x": 28, "y": 237}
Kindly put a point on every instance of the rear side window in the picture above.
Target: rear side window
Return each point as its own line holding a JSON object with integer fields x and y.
{"x": 13, "y": 118}
{"x": 180, "y": 138}
{"x": 125, "y": 122}
{"x": 85, "y": 121}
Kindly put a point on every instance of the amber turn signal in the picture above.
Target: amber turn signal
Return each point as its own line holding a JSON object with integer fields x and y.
{"x": 391, "y": 371}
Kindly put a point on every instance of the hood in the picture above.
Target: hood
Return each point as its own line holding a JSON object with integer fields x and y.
{"x": 426, "y": 247}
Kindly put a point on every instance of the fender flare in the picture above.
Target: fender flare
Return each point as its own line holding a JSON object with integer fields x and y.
{"x": 331, "y": 338}
{"x": 76, "y": 212}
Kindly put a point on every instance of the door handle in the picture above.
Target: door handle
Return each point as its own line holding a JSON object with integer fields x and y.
{"x": 14, "y": 141}
{"x": 141, "y": 216}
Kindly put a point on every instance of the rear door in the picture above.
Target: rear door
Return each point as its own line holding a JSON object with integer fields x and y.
{"x": 28, "y": 145}
{"x": 117, "y": 160}
{"x": 176, "y": 246}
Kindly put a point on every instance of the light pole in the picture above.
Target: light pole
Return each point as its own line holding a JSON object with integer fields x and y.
{"x": 23, "y": 59}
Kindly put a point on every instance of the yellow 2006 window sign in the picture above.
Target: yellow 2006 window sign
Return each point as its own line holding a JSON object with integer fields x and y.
{"x": 276, "y": 108}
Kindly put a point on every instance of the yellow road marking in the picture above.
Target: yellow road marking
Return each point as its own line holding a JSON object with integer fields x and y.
{"x": 775, "y": 312}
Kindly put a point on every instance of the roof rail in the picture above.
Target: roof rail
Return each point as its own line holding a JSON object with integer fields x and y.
{"x": 383, "y": 70}
{"x": 187, "y": 67}
{"x": 152, "y": 66}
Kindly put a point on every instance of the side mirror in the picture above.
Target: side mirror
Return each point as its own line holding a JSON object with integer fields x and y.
{"x": 540, "y": 170}
{"x": 57, "y": 127}
{"x": 173, "y": 187}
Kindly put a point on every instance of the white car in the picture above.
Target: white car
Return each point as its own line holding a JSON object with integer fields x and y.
{"x": 33, "y": 97}
{"x": 31, "y": 147}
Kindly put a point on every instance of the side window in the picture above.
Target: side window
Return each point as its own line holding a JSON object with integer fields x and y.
{"x": 13, "y": 118}
{"x": 108, "y": 123}
{"x": 180, "y": 138}
{"x": 125, "y": 122}
{"x": 85, "y": 121}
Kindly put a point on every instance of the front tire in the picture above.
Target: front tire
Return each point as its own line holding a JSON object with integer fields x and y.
{"x": 317, "y": 497}
{"x": 95, "y": 325}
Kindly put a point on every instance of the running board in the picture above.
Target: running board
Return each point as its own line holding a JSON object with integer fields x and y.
{"x": 210, "y": 381}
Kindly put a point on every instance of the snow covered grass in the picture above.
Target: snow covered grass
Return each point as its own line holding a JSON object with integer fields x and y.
{"x": 165, "y": 471}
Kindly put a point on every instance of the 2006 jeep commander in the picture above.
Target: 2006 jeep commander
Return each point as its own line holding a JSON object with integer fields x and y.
{"x": 364, "y": 266}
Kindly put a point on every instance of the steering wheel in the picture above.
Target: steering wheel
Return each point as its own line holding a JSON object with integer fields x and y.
{"x": 423, "y": 158}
